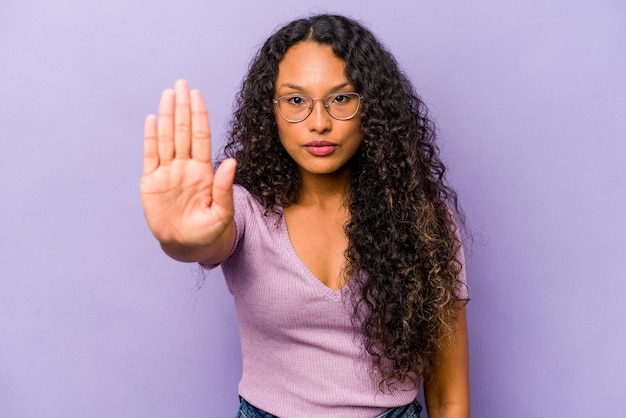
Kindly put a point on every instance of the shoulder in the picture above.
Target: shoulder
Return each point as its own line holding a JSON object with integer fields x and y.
{"x": 240, "y": 193}
{"x": 245, "y": 201}
{"x": 250, "y": 210}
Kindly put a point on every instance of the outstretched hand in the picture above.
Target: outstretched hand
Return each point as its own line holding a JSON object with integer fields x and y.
{"x": 184, "y": 201}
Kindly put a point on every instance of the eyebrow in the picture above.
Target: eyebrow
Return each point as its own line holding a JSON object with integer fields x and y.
{"x": 301, "y": 89}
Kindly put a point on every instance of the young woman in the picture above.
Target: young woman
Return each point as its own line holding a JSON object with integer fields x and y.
{"x": 333, "y": 225}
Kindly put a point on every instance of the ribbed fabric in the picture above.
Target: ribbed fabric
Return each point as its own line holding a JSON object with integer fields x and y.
{"x": 301, "y": 354}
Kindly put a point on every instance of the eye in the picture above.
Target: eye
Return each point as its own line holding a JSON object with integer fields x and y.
{"x": 341, "y": 99}
{"x": 296, "y": 101}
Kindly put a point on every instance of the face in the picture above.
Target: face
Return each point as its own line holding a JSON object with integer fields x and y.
{"x": 320, "y": 145}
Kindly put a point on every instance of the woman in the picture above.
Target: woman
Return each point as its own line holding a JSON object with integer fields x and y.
{"x": 337, "y": 238}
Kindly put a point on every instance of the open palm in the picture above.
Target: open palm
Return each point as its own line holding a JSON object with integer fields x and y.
{"x": 184, "y": 201}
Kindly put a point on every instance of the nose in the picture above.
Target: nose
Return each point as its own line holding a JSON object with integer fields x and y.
{"x": 319, "y": 120}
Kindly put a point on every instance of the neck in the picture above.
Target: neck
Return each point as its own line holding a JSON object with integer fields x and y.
{"x": 324, "y": 191}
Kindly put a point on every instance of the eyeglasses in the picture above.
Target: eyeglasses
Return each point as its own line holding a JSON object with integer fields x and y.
{"x": 297, "y": 107}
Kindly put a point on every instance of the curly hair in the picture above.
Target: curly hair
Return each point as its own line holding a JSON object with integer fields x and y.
{"x": 404, "y": 218}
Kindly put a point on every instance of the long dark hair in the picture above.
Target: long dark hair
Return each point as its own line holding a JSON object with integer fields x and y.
{"x": 403, "y": 235}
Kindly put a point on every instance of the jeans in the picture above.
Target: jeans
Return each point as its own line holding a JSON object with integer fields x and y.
{"x": 412, "y": 410}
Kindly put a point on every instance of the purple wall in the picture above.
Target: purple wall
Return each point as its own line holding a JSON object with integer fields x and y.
{"x": 530, "y": 100}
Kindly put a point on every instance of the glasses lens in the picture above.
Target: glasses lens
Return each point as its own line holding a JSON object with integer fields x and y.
{"x": 295, "y": 107}
{"x": 342, "y": 105}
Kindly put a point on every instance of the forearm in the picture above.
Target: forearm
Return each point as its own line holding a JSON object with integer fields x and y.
{"x": 447, "y": 410}
{"x": 446, "y": 388}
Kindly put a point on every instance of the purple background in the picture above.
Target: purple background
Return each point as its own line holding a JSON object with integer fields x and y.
{"x": 530, "y": 100}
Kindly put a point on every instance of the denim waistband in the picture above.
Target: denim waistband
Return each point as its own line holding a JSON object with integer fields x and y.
{"x": 412, "y": 410}
{"x": 247, "y": 410}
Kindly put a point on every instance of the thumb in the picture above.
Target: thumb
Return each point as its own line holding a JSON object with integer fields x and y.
{"x": 223, "y": 184}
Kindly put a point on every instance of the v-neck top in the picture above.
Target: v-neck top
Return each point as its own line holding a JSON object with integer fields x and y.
{"x": 302, "y": 355}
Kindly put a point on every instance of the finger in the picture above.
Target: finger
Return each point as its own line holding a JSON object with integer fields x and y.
{"x": 150, "y": 146}
{"x": 223, "y": 185}
{"x": 201, "y": 133}
{"x": 182, "y": 121}
{"x": 165, "y": 127}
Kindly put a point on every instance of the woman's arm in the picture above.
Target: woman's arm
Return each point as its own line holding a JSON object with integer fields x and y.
{"x": 446, "y": 388}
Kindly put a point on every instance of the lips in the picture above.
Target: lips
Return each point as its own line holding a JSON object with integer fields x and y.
{"x": 320, "y": 148}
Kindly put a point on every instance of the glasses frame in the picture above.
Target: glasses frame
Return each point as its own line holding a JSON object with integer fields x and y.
{"x": 313, "y": 99}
